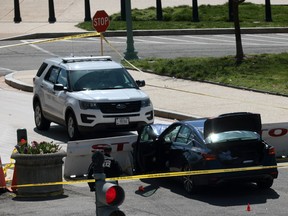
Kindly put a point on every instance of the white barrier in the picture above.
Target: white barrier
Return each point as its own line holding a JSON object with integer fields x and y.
{"x": 79, "y": 154}
{"x": 276, "y": 134}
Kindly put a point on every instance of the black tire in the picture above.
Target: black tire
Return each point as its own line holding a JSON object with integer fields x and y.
{"x": 265, "y": 183}
{"x": 72, "y": 127}
{"x": 40, "y": 121}
{"x": 188, "y": 181}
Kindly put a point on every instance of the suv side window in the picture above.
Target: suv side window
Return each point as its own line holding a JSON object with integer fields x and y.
{"x": 41, "y": 69}
{"x": 62, "y": 78}
{"x": 52, "y": 74}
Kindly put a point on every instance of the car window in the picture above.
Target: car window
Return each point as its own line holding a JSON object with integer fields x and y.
{"x": 183, "y": 135}
{"x": 146, "y": 134}
{"x": 232, "y": 136}
{"x": 62, "y": 78}
{"x": 52, "y": 75}
{"x": 41, "y": 69}
{"x": 171, "y": 136}
{"x": 101, "y": 79}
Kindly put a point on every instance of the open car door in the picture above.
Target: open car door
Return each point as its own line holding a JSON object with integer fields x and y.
{"x": 145, "y": 148}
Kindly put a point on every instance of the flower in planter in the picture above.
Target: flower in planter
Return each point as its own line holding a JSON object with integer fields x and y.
{"x": 37, "y": 148}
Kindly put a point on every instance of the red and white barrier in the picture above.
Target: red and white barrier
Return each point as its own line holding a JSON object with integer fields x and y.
{"x": 276, "y": 134}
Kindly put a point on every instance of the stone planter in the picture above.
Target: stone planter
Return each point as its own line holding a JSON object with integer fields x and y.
{"x": 39, "y": 168}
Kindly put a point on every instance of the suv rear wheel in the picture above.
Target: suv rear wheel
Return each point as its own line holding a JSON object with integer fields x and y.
{"x": 40, "y": 121}
{"x": 72, "y": 127}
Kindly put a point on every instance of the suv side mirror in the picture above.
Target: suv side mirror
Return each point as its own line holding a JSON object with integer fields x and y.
{"x": 140, "y": 83}
{"x": 59, "y": 87}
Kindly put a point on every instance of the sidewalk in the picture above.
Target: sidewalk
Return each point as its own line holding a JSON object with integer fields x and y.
{"x": 69, "y": 13}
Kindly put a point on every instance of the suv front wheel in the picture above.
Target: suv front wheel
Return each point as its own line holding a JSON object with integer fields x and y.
{"x": 40, "y": 121}
{"x": 72, "y": 127}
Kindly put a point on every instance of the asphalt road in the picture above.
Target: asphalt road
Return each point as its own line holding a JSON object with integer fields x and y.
{"x": 29, "y": 57}
{"x": 160, "y": 197}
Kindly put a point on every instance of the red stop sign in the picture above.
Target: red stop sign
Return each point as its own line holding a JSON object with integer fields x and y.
{"x": 101, "y": 21}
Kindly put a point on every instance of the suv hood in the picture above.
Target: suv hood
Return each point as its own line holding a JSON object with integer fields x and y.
{"x": 111, "y": 95}
{"x": 233, "y": 121}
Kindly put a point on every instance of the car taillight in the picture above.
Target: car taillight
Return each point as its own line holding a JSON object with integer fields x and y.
{"x": 271, "y": 151}
{"x": 209, "y": 157}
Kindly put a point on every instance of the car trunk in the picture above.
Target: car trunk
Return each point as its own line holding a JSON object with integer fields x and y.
{"x": 232, "y": 122}
{"x": 236, "y": 153}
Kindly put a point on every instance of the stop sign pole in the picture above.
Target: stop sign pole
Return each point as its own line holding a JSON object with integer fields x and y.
{"x": 100, "y": 23}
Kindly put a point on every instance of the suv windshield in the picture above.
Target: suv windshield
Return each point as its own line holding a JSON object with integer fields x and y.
{"x": 101, "y": 79}
{"x": 231, "y": 136}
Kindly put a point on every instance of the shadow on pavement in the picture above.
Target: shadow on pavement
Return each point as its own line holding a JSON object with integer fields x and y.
{"x": 33, "y": 199}
{"x": 228, "y": 194}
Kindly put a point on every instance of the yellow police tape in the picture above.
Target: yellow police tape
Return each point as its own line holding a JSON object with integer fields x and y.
{"x": 156, "y": 175}
{"x": 113, "y": 48}
{"x": 92, "y": 34}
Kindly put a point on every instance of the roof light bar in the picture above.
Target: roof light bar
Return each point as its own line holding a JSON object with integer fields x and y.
{"x": 92, "y": 58}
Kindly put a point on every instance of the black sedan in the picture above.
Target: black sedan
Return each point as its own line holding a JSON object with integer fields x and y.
{"x": 230, "y": 140}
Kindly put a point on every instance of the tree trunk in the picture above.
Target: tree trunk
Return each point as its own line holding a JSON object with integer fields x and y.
{"x": 239, "y": 48}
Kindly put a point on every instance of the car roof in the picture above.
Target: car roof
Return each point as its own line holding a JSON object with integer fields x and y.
{"x": 85, "y": 63}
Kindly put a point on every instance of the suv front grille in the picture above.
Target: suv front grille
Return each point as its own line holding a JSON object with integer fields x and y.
{"x": 122, "y": 107}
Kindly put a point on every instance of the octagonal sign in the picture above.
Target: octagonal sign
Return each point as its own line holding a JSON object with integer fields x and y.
{"x": 100, "y": 21}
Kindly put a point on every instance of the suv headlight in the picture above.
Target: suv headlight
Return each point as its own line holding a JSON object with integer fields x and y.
{"x": 88, "y": 105}
{"x": 145, "y": 103}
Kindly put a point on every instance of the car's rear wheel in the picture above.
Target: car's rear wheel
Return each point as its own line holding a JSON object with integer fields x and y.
{"x": 188, "y": 181}
{"x": 40, "y": 121}
{"x": 72, "y": 127}
{"x": 265, "y": 183}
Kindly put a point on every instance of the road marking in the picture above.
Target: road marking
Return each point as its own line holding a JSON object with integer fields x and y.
{"x": 262, "y": 36}
{"x": 178, "y": 40}
{"x": 148, "y": 41}
{"x": 39, "y": 48}
{"x": 208, "y": 39}
{"x": 275, "y": 38}
{"x": 7, "y": 69}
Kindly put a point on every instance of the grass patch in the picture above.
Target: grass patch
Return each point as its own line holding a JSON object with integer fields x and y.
{"x": 266, "y": 72}
{"x": 216, "y": 16}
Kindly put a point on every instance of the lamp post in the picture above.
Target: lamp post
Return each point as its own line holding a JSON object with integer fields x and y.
{"x": 130, "y": 51}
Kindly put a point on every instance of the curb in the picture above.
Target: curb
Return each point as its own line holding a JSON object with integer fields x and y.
{"x": 122, "y": 33}
{"x": 9, "y": 79}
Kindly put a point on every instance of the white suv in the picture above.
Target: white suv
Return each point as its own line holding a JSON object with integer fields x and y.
{"x": 88, "y": 94}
